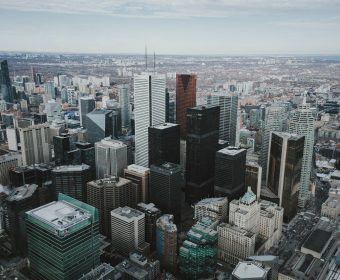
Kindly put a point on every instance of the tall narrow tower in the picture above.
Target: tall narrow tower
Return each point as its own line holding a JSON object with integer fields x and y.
{"x": 185, "y": 98}
{"x": 149, "y": 100}
{"x": 302, "y": 123}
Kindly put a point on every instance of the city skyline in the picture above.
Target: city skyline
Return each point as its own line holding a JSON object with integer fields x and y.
{"x": 190, "y": 27}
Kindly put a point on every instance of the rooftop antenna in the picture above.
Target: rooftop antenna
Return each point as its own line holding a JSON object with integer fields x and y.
{"x": 154, "y": 61}
{"x": 146, "y": 58}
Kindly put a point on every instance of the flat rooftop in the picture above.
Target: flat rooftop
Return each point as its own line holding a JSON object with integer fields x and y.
{"x": 127, "y": 212}
{"x": 138, "y": 168}
{"x": 213, "y": 200}
{"x": 69, "y": 168}
{"x": 22, "y": 192}
{"x": 165, "y": 125}
{"x": 317, "y": 240}
{"x": 149, "y": 208}
{"x": 231, "y": 151}
{"x": 249, "y": 270}
{"x": 59, "y": 214}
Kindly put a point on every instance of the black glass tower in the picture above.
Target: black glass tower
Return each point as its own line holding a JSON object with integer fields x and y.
{"x": 166, "y": 182}
{"x": 6, "y": 89}
{"x": 230, "y": 168}
{"x": 99, "y": 124}
{"x": 164, "y": 143}
{"x": 202, "y": 143}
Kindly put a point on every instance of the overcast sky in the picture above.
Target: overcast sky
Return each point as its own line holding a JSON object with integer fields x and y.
{"x": 172, "y": 26}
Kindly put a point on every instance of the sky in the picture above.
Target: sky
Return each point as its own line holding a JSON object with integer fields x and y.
{"x": 225, "y": 27}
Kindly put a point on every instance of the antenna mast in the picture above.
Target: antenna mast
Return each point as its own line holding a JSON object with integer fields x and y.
{"x": 154, "y": 61}
{"x": 146, "y": 58}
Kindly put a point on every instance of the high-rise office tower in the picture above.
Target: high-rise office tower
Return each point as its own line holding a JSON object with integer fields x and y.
{"x": 284, "y": 171}
{"x": 19, "y": 201}
{"x": 35, "y": 144}
{"x": 185, "y": 99}
{"x": 49, "y": 89}
{"x": 7, "y": 162}
{"x": 166, "y": 242}
{"x": 164, "y": 143}
{"x": 111, "y": 158}
{"x": 124, "y": 103}
{"x": 166, "y": 181}
{"x": 228, "y": 103}
{"x": 253, "y": 177}
{"x": 71, "y": 180}
{"x": 274, "y": 121}
{"x": 302, "y": 123}
{"x": 152, "y": 213}
{"x": 6, "y": 89}
{"x": 63, "y": 239}
{"x": 139, "y": 175}
{"x": 230, "y": 169}
{"x": 149, "y": 101}
{"x": 99, "y": 124}
{"x": 52, "y": 110}
{"x": 128, "y": 229}
{"x": 86, "y": 105}
{"x": 108, "y": 194}
{"x": 201, "y": 147}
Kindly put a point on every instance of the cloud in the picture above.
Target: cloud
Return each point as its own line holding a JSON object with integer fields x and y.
{"x": 175, "y": 8}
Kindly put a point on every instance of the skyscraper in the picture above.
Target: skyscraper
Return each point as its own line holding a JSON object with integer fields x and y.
{"x": 275, "y": 117}
{"x": 57, "y": 232}
{"x": 228, "y": 103}
{"x": 124, "y": 103}
{"x": 19, "y": 201}
{"x": 284, "y": 171}
{"x": 139, "y": 175}
{"x": 49, "y": 89}
{"x": 5, "y": 82}
{"x": 152, "y": 213}
{"x": 166, "y": 182}
{"x": 35, "y": 144}
{"x": 185, "y": 99}
{"x": 302, "y": 123}
{"x": 230, "y": 166}
{"x": 166, "y": 242}
{"x": 86, "y": 105}
{"x": 108, "y": 194}
{"x": 111, "y": 158}
{"x": 149, "y": 101}
{"x": 99, "y": 124}
{"x": 164, "y": 143}
{"x": 71, "y": 180}
{"x": 8, "y": 161}
{"x": 128, "y": 229}
{"x": 202, "y": 143}
{"x": 253, "y": 177}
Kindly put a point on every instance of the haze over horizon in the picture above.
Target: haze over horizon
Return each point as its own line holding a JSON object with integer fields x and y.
{"x": 201, "y": 27}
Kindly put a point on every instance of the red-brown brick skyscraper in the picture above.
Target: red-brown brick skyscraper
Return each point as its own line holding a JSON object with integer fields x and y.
{"x": 185, "y": 98}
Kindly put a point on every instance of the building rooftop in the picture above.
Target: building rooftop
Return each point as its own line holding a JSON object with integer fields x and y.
{"x": 127, "y": 267}
{"x": 60, "y": 215}
{"x": 103, "y": 272}
{"x": 149, "y": 208}
{"x": 317, "y": 240}
{"x": 165, "y": 125}
{"x": 249, "y": 197}
{"x": 22, "y": 192}
{"x": 249, "y": 270}
{"x": 290, "y": 136}
{"x": 111, "y": 142}
{"x": 70, "y": 168}
{"x": 213, "y": 200}
{"x": 231, "y": 151}
{"x": 112, "y": 180}
{"x": 127, "y": 213}
{"x": 166, "y": 223}
{"x": 138, "y": 168}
